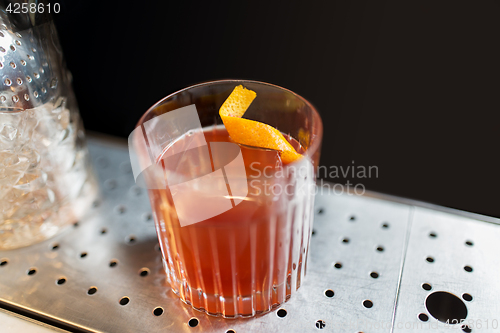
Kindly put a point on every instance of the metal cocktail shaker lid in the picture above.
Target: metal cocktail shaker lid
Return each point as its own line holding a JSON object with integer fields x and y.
{"x": 27, "y": 79}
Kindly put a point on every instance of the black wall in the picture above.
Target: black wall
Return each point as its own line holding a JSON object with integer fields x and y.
{"x": 411, "y": 87}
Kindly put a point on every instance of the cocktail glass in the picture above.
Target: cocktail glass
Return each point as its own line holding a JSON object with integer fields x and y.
{"x": 233, "y": 222}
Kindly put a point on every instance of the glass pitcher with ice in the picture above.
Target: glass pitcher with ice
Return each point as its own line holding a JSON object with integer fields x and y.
{"x": 46, "y": 180}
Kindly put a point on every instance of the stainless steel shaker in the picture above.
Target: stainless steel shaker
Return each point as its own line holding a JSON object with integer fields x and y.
{"x": 46, "y": 181}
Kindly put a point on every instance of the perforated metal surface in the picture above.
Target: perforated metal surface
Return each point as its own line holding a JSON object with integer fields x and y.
{"x": 381, "y": 246}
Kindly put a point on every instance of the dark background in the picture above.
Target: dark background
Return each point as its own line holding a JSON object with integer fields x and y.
{"x": 409, "y": 86}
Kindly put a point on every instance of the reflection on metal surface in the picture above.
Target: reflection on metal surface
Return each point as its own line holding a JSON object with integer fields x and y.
{"x": 367, "y": 255}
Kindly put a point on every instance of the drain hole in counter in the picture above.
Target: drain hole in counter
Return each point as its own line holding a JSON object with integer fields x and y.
{"x": 367, "y": 303}
{"x": 124, "y": 300}
{"x": 466, "y": 329}
{"x": 110, "y": 184}
{"x": 446, "y": 307}
{"x": 120, "y": 209}
{"x": 423, "y": 317}
{"x": 281, "y": 313}
{"x": 426, "y": 286}
{"x": 320, "y": 324}
{"x": 193, "y": 322}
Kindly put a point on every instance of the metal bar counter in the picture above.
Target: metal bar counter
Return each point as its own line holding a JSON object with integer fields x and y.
{"x": 377, "y": 264}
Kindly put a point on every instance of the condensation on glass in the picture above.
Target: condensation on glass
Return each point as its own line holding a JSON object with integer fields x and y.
{"x": 46, "y": 181}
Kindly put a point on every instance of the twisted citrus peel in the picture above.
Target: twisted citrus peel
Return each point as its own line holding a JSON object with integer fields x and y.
{"x": 250, "y": 132}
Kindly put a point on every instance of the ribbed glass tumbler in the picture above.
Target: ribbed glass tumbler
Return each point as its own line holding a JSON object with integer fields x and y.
{"x": 250, "y": 252}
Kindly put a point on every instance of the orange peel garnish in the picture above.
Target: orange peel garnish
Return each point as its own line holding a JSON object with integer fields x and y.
{"x": 250, "y": 132}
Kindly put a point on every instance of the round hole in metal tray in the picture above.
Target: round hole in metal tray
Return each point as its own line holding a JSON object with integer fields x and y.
{"x": 113, "y": 263}
{"x": 193, "y": 322}
{"x": 102, "y": 162}
{"x": 92, "y": 291}
{"x": 31, "y": 271}
{"x": 110, "y": 184}
{"x": 131, "y": 239}
{"x": 144, "y": 271}
{"x": 466, "y": 328}
{"x": 429, "y": 259}
{"x": 338, "y": 265}
{"x": 320, "y": 324}
{"x": 83, "y": 255}
{"x": 469, "y": 243}
{"x": 104, "y": 231}
{"x": 432, "y": 235}
{"x": 125, "y": 167}
{"x": 313, "y": 232}
{"x": 423, "y": 317}
{"x": 367, "y": 303}
{"x": 352, "y": 218}
{"x": 4, "y": 262}
{"x": 320, "y": 211}
{"x": 446, "y": 307}
{"x": 136, "y": 190}
{"x": 124, "y": 300}
{"x": 468, "y": 269}
{"x": 385, "y": 225}
{"x": 120, "y": 209}
{"x": 467, "y": 297}
{"x": 329, "y": 293}
{"x": 281, "y": 313}
{"x": 158, "y": 311}
{"x": 426, "y": 286}
{"x": 61, "y": 281}
{"x": 374, "y": 275}
{"x": 380, "y": 248}
{"x": 345, "y": 240}
{"x": 230, "y": 331}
